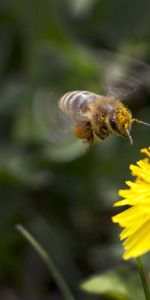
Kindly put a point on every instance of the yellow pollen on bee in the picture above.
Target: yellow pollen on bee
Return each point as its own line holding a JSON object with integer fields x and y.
{"x": 123, "y": 120}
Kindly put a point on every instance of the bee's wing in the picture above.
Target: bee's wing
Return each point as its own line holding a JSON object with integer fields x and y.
{"x": 55, "y": 125}
{"x": 124, "y": 76}
{"x": 56, "y": 128}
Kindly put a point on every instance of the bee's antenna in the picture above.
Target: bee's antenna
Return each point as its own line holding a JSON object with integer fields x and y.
{"x": 129, "y": 136}
{"x": 140, "y": 122}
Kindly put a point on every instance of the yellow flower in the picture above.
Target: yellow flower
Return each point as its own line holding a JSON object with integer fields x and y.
{"x": 136, "y": 218}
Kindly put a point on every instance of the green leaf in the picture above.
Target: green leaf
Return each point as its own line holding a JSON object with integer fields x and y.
{"x": 121, "y": 285}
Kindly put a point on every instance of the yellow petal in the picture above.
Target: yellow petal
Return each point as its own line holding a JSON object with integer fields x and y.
{"x": 135, "y": 219}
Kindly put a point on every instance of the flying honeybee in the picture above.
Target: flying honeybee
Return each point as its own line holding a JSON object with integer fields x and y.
{"x": 96, "y": 115}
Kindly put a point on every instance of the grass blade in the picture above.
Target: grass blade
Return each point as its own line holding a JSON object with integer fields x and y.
{"x": 48, "y": 261}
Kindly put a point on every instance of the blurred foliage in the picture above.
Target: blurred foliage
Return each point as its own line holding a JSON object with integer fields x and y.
{"x": 116, "y": 284}
{"x": 48, "y": 182}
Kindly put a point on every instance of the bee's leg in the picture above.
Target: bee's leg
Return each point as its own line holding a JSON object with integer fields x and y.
{"x": 89, "y": 138}
{"x": 103, "y": 133}
{"x": 83, "y": 131}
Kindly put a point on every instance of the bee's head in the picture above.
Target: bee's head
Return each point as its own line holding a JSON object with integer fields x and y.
{"x": 120, "y": 122}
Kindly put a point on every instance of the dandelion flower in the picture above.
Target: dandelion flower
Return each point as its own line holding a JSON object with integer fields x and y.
{"x": 135, "y": 220}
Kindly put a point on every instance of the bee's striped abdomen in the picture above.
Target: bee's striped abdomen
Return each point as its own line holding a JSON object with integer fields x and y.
{"x": 76, "y": 101}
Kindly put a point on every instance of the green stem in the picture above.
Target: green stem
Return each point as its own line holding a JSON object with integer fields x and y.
{"x": 48, "y": 261}
{"x": 143, "y": 278}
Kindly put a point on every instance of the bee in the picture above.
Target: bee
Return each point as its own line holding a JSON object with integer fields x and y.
{"x": 97, "y": 116}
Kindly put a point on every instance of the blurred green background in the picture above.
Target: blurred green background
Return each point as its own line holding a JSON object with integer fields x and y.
{"x": 48, "y": 183}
